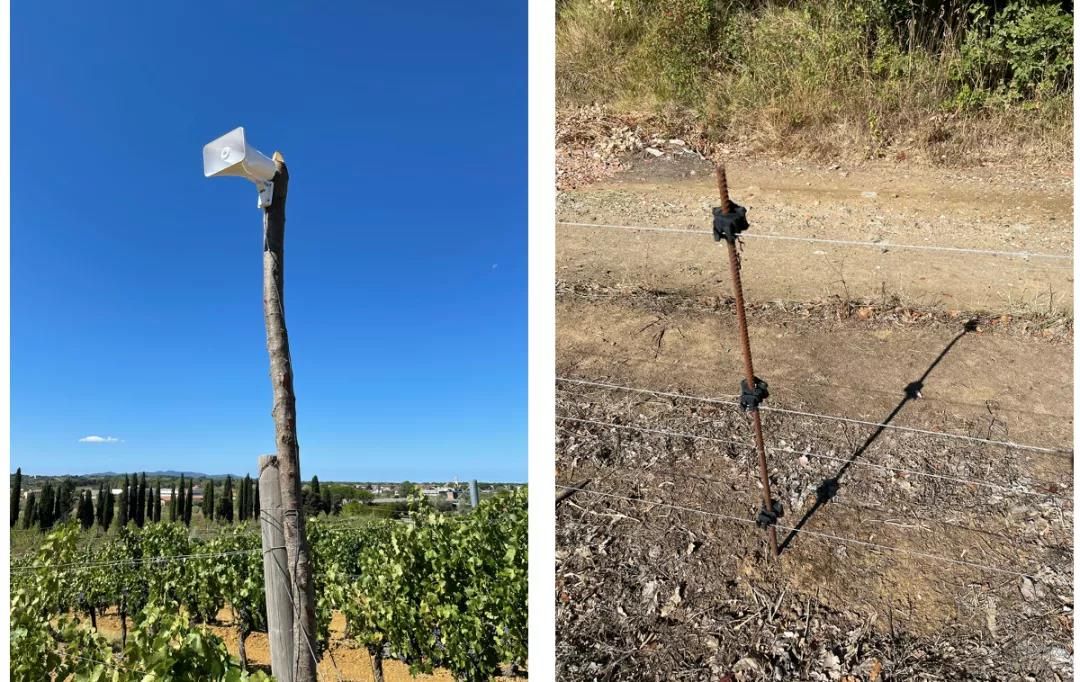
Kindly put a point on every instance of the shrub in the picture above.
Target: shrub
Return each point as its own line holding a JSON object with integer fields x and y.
{"x": 1024, "y": 52}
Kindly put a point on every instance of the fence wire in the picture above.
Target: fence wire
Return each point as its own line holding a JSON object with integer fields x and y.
{"x": 814, "y": 415}
{"x": 830, "y": 536}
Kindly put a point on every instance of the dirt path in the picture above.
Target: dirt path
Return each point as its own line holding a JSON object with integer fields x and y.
{"x": 900, "y": 543}
{"x": 876, "y": 204}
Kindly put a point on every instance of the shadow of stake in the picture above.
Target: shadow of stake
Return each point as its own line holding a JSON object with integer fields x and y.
{"x": 830, "y": 487}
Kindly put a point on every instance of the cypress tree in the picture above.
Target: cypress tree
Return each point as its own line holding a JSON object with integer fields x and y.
{"x": 190, "y": 500}
{"x": 238, "y": 507}
{"x": 172, "y": 502}
{"x": 255, "y": 506}
{"x": 91, "y": 510}
{"x": 157, "y": 503}
{"x": 208, "y": 501}
{"x": 65, "y": 500}
{"x": 327, "y": 501}
{"x": 136, "y": 499}
{"x": 122, "y": 503}
{"x": 252, "y": 492}
{"x": 123, "y": 496}
{"x": 109, "y": 505}
{"x": 180, "y": 503}
{"x": 31, "y": 511}
{"x": 133, "y": 498}
{"x": 140, "y": 502}
{"x": 99, "y": 506}
{"x": 225, "y": 506}
{"x": 16, "y": 496}
{"x": 245, "y": 498}
{"x": 46, "y": 507}
{"x": 85, "y": 510}
{"x": 150, "y": 504}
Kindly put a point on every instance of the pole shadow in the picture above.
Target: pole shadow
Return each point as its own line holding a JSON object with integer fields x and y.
{"x": 830, "y": 487}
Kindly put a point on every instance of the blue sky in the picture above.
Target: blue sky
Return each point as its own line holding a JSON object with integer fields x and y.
{"x": 136, "y": 309}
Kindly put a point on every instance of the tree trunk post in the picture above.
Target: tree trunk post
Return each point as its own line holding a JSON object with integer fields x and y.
{"x": 279, "y": 612}
{"x": 284, "y": 413}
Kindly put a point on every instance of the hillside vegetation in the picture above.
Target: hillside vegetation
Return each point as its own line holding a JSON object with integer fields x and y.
{"x": 940, "y": 80}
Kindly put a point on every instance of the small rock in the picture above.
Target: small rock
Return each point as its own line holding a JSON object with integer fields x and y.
{"x": 672, "y": 603}
{"x": 869, "y": 195}
{"x": 654, "y": 151}
{"x": 1027, "y": 588}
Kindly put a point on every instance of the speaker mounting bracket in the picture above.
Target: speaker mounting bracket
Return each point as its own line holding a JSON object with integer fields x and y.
{"x": 266, "y": 192}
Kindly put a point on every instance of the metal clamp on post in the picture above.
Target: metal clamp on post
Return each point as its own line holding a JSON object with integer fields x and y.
{"x": 749, "y": 400}
{"x": 766, "y": 517}
{"x": 727, "y": 226}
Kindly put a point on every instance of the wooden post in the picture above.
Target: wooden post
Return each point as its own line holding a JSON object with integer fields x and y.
{"x": 284, "y": 412}
{"x": 279, "y": 615}
{"x": 474, "y": 494}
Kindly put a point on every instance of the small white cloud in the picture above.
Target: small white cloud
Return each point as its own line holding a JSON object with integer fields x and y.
{"x": 99, "y": 439}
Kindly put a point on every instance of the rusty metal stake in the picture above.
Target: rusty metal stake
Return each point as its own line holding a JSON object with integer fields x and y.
{"x": 748, "y": 361}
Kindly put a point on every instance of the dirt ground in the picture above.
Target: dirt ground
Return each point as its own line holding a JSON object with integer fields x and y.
{"x": 345, "y": 661}
{"x": 972, "y": 210}
{"x": 905, "y": 555}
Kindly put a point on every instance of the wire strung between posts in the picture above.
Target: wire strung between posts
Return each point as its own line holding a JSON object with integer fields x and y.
{"x": 651, "y": 358}
{"x": 840, "y": 242}
{"x": 144, "y": 560}
{"x": 853, "y": 461}
{"x": 829, "y": 536}
{"x": 341, "y": 526}
{"x": 849, "y": 420}
{"x": 110, "y": 664}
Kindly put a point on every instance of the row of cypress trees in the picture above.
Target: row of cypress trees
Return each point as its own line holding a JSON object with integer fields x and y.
{"x": 137, "y": 502}
{"x": 54, "y": 505}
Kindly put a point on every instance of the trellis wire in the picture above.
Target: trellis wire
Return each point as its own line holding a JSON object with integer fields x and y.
{"x": 669, "y": 394}
{"x": 829, "y": 536}
{"x": 839, "y": 242}
{"x": 853, "y": 461}
{"x": 132, "y": 562}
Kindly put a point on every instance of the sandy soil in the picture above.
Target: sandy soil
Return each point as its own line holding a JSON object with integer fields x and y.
{"x": 913, "y": 207}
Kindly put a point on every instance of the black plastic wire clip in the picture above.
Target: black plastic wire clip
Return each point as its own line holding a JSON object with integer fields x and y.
{"x": 749, "y": 400}
{"x": 727, "y": 226}
{"x": 766, "y": 518}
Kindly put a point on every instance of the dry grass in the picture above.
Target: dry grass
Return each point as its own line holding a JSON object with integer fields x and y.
{"x": 818, "y": 80}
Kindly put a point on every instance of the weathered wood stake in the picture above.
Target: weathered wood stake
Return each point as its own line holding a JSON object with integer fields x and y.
{"x": 284, "y": 412}
{"x": 279, "y": 613}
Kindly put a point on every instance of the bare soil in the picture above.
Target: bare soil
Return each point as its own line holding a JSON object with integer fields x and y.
{"x": 905, "y": 555}
{"x": 974, "y": 209}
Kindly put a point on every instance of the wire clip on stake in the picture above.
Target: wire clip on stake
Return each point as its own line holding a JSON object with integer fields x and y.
{"x": 750, "y": 399}
{"x": 766, "y": 518}
{"x": 727, "y": 226}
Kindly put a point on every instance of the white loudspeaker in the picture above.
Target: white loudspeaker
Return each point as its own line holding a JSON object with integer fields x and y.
{"x": 231, "y": 155}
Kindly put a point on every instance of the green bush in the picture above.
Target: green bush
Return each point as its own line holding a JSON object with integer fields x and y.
{"x": 1024, "y": 52}
{"x": 675, "y": 51}
{"x": 829, "y": 77}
